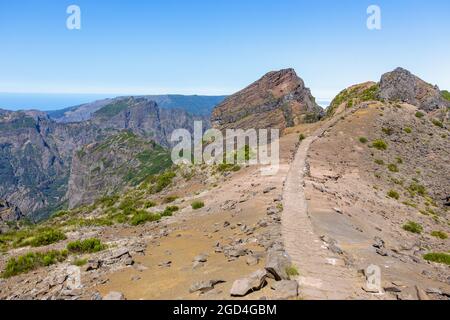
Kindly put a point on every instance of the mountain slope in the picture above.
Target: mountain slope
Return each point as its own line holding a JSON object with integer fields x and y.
{"x": 106, "y": 167}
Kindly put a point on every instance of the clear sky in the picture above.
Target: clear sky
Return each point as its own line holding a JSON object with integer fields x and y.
{"x": 216, "y": 46}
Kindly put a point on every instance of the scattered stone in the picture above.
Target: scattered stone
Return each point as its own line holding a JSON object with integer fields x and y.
{"x": 276, "y": 264}
{"x": 421, "y": 294}
{"x": 204, "y": 286}
{"x": 92, "y": 265}
{"x": 165, "y": 264}
{"x": 96, "y": 296}
{"x": 393, "y": 289}
{"x": 379, "y": 243}
{"x": 382, "y": 252}
{"x": 254, "y": 282}
{"x": 433, "y": 291}
{"x": 338, "y": 210}
{"x": 201, "y": 258}
{"x": 267, "y": 190}
{"x": 226, "y": 224}
{"x": 114, "y": 295}
{"x": 252, "y": 261}
{"x": 286, "y": 289}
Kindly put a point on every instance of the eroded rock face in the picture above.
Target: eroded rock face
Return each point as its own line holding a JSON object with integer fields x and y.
{"x": 402, "y": 85}
{"x": 278, "y": 100}
{"x": 9, "y": 212}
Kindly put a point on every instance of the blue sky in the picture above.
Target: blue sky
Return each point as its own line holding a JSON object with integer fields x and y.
{"x": 216, "y": 47}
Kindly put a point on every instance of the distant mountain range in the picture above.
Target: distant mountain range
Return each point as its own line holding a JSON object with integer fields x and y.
{"x": 195, "y": 105}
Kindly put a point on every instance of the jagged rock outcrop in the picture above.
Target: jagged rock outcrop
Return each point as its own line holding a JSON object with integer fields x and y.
{"x": 278, "y": 100}
{"x": 402, "y": 85}
{"x": 9, "y": 212}
{"x": 106, "y": 167}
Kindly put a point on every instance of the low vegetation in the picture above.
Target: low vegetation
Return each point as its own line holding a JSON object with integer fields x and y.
{"x": 420, "y": 114}
{"x": 292, "y": 271}
{"x": 86, "y": 246}
{"x": 301, "y": 137}
{"x": 363, "y": 140}
{"x": 32, "y": 261}
{"x": 407, "y": 130}
{"x": 438, "y": 257}
{"x": 142, "y": 217}
{"x": 197, "y": 205}
{"x": 446, "y": 95}
{"x": 379, "y": 144}
{"x": 437, "y": 123}
{"x": 393, "y": 194}
{"x": 413, "y": 227}
{"x": 439, "y": 234}
{"x": 392, "y": 167}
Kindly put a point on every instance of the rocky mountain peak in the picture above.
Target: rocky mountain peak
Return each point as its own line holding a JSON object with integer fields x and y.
{"x": 278, "y": 100}
{"x": 402, "y": 85}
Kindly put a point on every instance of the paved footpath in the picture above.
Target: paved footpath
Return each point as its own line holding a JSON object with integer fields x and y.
{"x": 323, "y": 275}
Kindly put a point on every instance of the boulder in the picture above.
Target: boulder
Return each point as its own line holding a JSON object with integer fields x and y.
{"x": 204, "y": 286}
{"x": 276, "y": 264}
{"x": 254, "y": 282}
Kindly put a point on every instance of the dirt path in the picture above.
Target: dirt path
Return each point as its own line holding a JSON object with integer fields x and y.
{"x": 323, "y": 275}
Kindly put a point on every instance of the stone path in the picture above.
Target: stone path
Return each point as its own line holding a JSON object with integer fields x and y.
{"x": 323, "y": 275}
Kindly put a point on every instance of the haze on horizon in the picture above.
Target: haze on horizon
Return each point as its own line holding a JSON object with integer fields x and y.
{"x": 215, "y": 48}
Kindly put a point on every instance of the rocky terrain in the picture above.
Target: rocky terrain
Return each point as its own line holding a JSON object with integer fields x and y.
{"x": 277, "y": 100}
{"x": 367, "y": 185}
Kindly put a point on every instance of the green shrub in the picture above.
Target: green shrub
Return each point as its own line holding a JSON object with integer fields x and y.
{"x": 108, "y": 201}
{"x": 439, "y": 234}
{"x": 387, "y": 131}
{"x": 363, "y": 139}
{"x": 437, "y": 123}
{"x": 142, "y": 217}
{"x": 168, "y": 212}
{"x": 393, "y": 167}
{"x": 227, "y": 167}
{"x": 399, "y": 160}
{"x": 32, "y": 261}
{"x": 47, "y": 237}
{"x": 379, "y": 144}
{"x": 80, "y": 262}
{"x": 438, "y": 257}
{"x": 197, "y": 205}
{"x": 445, "y": 94}
{"x": 301, "y": 137}
{"x": 393, "y": 194}
{"x": 292, "y": 271}
{"x": 379, "y": 162}
{"x": 149, "y": 204}
{"x": 170, "y": 199}
{"x": 417, "y": 188}
{"x": 408, "y": 130}
{"x": 420, "y": 114}
{"x": 86, "y": 246}
{"x": 413, "y": 227}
